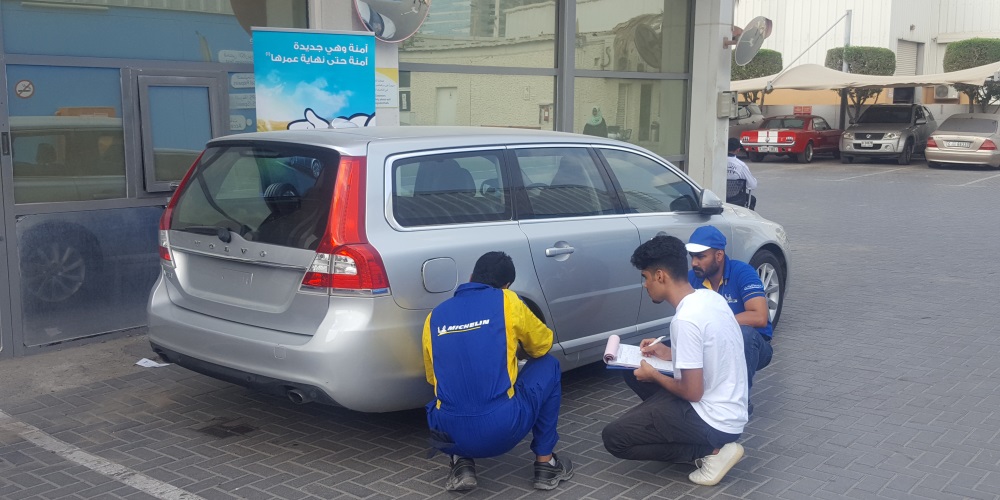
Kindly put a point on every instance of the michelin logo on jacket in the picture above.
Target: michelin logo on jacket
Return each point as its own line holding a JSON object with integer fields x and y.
{"x": 444, "y": 330}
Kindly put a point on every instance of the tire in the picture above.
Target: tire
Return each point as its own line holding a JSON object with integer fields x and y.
{"x": 56, "y": 270}
{"x": 846, "y": 159}
{"x": 755, "y": 157}
{"x": 772, "y": 275}
{"x": 907, "y": 154}
{"x": 807, "y": 155}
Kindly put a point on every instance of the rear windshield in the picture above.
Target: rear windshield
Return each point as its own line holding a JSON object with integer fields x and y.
{"x": 885, "y": 115}
{"x": 270, "y": 193}
{"x": 976, "y": 125}
{"x": 798, "y": 123}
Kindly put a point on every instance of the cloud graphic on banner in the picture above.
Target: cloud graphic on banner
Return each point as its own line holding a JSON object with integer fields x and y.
{"x": 278, "y": 101}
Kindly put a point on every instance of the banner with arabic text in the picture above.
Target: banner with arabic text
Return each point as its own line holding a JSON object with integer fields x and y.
{"x": 313, "y": 79}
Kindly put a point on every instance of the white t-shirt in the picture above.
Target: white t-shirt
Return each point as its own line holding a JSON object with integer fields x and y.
{"x": 736, "y": 169}
{"x": 704, "y": 334}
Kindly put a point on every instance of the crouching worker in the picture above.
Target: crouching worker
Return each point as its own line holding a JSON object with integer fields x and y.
{"x": 483, "y": 407}
{"x": 699, "y": 413}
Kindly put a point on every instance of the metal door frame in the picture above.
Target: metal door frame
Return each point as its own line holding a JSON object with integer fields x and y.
{"x": 8, "y": 231}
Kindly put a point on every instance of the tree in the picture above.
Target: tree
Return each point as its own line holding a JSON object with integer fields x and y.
{"x": 862, "y": 61}
{"x": 765, "y": 63}
{"x": 970, "y": 53}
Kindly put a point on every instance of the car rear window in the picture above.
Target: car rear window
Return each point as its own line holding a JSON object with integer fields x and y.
{"x": 796, "y": 123}
{"x": 271, "y": 193}
{"x": 975, "y": 125}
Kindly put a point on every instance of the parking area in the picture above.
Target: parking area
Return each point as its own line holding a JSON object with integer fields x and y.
{"x": 884, "y": 384}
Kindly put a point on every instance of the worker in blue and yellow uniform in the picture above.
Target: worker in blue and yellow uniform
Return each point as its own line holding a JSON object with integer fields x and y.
{"x": 483, "y": 406}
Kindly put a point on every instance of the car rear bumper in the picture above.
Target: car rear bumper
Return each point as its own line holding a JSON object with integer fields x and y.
{"x": 989, "y": 157}
{"x": 780, "y": 149}
{"x": 365, "y": 356}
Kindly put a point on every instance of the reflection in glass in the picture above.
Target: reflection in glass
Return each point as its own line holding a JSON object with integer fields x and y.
{"x": 181, "y": 123}
{"x": 66, "y": 137}
{"x": 85, "y": 273}
{"x": 639, "y": 35}
{"x": 206, "y": 31}
{"x": 503, "y": 33}
{"x": 485, "y": 100}
{"x": 650, "y": 113}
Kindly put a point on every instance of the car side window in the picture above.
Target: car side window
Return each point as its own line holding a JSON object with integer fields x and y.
{"x": 820, "y": 124}
{"x": 563, "y": 182}
{"x": 649, "y": 186}
{"x": 919, "y": 113}
{"x": 450, "y": 189}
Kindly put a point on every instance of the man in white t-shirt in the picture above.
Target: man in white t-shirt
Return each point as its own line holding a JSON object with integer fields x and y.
{"x": 699, "y": 413}
{"x": 736, "y": 169}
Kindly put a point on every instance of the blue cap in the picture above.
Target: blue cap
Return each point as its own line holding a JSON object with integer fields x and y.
{"x": 706, "y": 237}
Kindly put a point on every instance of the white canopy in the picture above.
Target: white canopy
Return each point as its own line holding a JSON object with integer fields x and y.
{"x": 816, "y": 77}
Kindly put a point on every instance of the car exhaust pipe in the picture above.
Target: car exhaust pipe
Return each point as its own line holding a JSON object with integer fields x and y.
{"x": 298, "y": 397}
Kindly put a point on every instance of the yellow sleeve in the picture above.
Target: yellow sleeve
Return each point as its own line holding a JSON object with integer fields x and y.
{"x": 428, "y": 357}
{"x": 535, "y": 337}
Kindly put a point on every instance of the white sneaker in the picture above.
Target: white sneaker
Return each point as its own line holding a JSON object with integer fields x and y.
{"x": 713, "y": 468}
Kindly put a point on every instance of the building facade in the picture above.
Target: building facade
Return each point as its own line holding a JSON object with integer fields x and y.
{"x": 108, "y": 102}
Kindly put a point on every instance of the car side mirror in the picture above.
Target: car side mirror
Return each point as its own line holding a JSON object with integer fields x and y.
{"x": 921, "y": 121}
{"x": 710, "y": 203}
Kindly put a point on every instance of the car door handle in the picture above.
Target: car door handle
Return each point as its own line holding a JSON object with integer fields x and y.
{"x": 552, "y": 252}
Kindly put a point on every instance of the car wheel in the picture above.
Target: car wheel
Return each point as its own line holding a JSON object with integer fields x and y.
{"x": 54, "y": 271}
{"x": 907, "y": 154}
{"x": 807, "y": 155}
{"x": 846, "y": 159}
{"x": 756, "y": 157}
{"x": 772, "y": 275}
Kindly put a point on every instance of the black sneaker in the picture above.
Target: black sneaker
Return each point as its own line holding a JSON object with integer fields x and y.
{"x": 548, "y": 476}
{"x": 462, "y": 476}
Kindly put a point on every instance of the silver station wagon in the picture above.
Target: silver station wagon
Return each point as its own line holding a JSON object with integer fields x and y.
{"x": 304, "y": 263}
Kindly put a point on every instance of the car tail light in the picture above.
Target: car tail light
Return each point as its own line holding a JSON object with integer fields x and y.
{"x": 988, "y": 145}
{"x": 345, "y": 262}
{"x": 931, "y": 143}
{"x": 166, "y": 257}
{"x": 746, "y": 138}
{"x": 789, "y": 139}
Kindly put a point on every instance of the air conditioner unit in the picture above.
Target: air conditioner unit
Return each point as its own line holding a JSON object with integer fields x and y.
{"x": 945, "y": 92}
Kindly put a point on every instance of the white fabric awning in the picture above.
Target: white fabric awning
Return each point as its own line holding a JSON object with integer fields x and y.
{"x": 816, "y": 77}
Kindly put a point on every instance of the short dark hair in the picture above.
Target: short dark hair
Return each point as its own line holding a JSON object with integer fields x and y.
{"x": 495, "y": 269}
{"x": 662, "y": 252}
{"x": 734, "y": 144}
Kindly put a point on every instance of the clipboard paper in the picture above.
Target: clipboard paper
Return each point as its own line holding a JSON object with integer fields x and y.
{"x": 627, "y": 357}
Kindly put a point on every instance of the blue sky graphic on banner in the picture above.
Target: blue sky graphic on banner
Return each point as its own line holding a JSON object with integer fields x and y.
{"x": 310, "y": 79}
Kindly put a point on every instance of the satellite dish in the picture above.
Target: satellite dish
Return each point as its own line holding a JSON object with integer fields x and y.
{"x": 392, "y": 20}
{"x": 648, "y": 44}
{"x": 751, "y": 39}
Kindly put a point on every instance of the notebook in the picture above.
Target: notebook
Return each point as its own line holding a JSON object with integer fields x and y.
{"x": 627, "y": 357}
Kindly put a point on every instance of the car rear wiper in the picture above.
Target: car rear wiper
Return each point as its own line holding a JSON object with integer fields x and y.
{"x": 222, "y": 232}
{"x": 201, "y": 229}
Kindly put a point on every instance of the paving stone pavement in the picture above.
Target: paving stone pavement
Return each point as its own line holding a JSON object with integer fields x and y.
{"x": 884, "y": 383}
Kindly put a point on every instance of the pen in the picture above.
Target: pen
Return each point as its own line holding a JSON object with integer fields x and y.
{"x": 657, "y": 341}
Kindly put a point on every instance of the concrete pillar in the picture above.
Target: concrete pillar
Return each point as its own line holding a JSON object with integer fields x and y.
{"x": 710, "y": 73}
{"x": 339, "y": 15}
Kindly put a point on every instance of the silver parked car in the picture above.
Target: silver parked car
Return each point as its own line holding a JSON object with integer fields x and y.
{"x": 893, "y": 131}
{"x": 304, "y": 263}
{"x": 965, "y": 138}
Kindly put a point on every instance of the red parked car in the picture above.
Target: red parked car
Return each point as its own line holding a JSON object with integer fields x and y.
{"x": 796, "y": 136}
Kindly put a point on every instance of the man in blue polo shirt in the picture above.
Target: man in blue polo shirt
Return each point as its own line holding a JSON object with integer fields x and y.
{"x": 740, "y": 285}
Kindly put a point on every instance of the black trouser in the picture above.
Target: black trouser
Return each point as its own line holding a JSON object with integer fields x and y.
{"x": 662, "y": 427}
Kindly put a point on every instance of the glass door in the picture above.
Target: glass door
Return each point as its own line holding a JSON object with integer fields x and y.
{"x": 178, "y": 115}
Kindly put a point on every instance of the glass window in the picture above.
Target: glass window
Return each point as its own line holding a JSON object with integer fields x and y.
{"x": 820, "y": 124}
{"x": 650, "y": 186}
{"x": 965, "y": 124}
{"x": 650, "y": 113}
{"x": 271, "y": 194}
{"x": 563, "y": 182}
{"x": 488, "y": 33}
{"x": 450, "y": 189}
{"x": 66, "y": 133}
{"x": 176, "y": 124}
{"x": 484, "y": 100}
{"x": 639, "y": 35}
{"x": 207, "y": 30}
